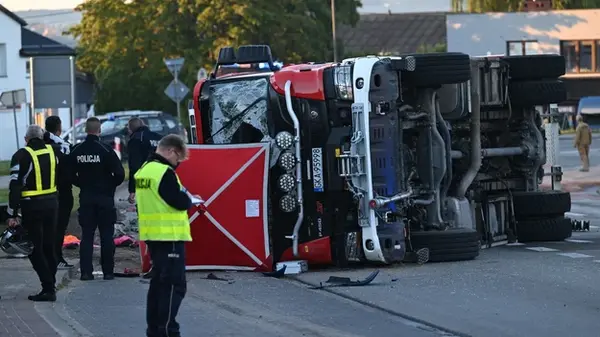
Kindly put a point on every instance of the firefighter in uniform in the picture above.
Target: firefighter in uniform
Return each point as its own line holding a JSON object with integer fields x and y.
{"x": 65, "y": 189}
{"x": 33, "y": 191}
{"x": 163, "y": 224}
{"x": 583, "y": 140}
{"x": 97, "y": 171}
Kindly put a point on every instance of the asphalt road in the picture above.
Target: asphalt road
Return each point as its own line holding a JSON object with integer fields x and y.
{"x": 534, "y": 289}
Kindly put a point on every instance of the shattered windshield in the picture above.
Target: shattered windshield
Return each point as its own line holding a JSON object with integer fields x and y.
{"x": 239, "y": 112}
{"x": 239, "y": 107}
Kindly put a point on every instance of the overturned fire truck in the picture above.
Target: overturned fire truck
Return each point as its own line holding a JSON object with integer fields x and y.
{"x": 425, "y": 157}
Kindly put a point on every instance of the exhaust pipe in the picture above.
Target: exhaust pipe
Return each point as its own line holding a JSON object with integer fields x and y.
{"x": 475, "y": 135}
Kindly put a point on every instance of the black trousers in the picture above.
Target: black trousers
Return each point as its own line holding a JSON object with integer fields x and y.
{"x": 40, "y": 224}
{"x": 65, "y": 206}
{"x": 102, "y": 217}
{"x": 167, "y": 288}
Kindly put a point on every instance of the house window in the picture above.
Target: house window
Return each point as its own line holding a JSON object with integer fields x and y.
{"x": 581, "y": 56}
{"x": 523, "y": 47}
{"x": 3, "y": 63}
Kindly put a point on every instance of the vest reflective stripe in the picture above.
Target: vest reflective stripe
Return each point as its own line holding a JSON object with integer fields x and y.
{"x": 35, "y": 154}
{"x": 157, "y": 220}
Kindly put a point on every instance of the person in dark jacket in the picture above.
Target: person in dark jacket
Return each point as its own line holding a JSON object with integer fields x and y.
{"x": 32, "y": 192}
{"x": 65, "y": 189}
{"x": 164, "y": 226}
{"x": 97, "y": 171}
{"x": 141, "y": 144}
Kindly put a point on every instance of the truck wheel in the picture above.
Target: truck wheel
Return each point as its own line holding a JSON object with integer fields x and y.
{"x": 450, "y": 245}
{"x": 435, "y": 69}
{"x": 549, "y": 229}
{"x": 540, "y": 204}
{"x": 539, "y": 92}
{"x": 535, "y": 67}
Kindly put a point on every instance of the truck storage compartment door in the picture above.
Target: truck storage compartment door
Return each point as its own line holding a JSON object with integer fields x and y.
{"x": 233, "y": 233}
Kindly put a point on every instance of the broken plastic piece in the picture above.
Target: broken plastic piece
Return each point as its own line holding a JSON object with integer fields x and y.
{"x": 347, "y": 282}
{"x": 212, "y": 276}
{"x": 278, "y": 273}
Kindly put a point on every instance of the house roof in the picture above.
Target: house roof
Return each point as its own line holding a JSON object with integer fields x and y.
{"x": 394, "y": 33}
{"x": 34, "y": 44}
{"x": 12, "y": 15}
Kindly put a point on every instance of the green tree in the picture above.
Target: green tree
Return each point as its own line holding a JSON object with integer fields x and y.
{"x": 433, "y": 48}
{"x": 123, "y": 43}
{"x": 483, "y": 6}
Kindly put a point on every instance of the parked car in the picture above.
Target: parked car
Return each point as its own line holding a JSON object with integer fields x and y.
{"x": 80, "y": 126}
{"x": 115, "y": 126}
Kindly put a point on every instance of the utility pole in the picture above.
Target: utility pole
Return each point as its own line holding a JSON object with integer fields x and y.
{"x": 335, "y": 55}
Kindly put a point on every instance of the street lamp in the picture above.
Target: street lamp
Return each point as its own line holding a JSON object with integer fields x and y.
{"x": 335, "y": 59}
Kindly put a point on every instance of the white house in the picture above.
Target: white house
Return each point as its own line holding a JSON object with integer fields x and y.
{"x": 13, "y": 76}
{"x": 18, "y": 46}
{"x": 574, "y": 34}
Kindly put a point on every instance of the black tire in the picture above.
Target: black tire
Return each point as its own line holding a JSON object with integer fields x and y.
{"x": 435, "y": 69}
{"x": 542, "y": 92}
{"x": 535, "y": 67}
{"x": 549, "y": 229}
{"x": 450, "y": 245}
{"x": 540, "y": 204}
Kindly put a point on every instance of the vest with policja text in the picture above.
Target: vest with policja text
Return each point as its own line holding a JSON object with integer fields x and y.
{"x": 157, "y": 220}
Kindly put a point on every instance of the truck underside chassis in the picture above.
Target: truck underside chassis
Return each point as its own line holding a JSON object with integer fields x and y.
{"x": 449, "y": 150}
{"x": 423, "y": 157}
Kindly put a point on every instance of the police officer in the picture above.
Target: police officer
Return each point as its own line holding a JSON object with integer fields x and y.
{"x": 65, "y": 189}
{"x": 163, "y": 223}
{"x": 97, "y": 171}
{"x": 33, "y": 191}
{"x": 141, "y": 144}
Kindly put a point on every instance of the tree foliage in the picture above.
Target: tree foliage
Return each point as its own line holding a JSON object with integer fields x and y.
{"x": 483, "y": 6}
{"x": 123, "y": 43}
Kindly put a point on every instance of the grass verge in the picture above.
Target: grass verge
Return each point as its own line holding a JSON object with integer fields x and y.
{"x": 4, "y": 167}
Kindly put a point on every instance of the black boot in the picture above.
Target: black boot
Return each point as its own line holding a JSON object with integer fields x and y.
{"x": 109, "y": 277}
{"x": 43, "y": 296}
{"x": 86, "y": 277}
{"x": 149, "y": 274}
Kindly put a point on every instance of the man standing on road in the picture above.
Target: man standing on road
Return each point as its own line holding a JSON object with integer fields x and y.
{"x": 33, "y": 191}
{"x": 63, "y": 184}
{"x": 163, "y": 223}
{"x": 142, "y": 143}
{"x": 583, "y": 140}
{"x": 97, "y": 171}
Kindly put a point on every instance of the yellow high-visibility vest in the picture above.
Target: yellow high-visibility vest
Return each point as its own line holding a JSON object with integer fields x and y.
{"x": 35, "y": 159}
{"x": 157, "y": 220}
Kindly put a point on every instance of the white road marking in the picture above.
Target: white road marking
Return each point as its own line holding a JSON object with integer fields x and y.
{"x": 515, "y": 244}
{"x": 597, "y": 261}
{"x": 575, "y": 215}
{"x": 543, "y": 249}
{"x": 575, "y": 255}
{"x": 579, "y": 241}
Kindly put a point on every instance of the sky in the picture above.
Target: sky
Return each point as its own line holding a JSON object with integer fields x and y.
{"x": 369, "y": 6}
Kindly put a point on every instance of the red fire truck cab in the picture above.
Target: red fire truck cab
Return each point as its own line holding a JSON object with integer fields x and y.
{"x": 304, "y": 113}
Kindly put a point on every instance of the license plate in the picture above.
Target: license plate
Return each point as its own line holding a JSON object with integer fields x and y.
{"x": 317, "y": 169}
